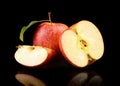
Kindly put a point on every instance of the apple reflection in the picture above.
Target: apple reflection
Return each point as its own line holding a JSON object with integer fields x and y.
{"x": 29, "y": 80}
{"x": 89, "y": 78}
{"x": 55, "y": 76}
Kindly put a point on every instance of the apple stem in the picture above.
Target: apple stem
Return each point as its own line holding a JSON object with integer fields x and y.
{"x": 49, "y": 15}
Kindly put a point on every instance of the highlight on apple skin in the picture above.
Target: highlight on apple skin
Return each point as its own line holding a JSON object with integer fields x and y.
{"x": 45, "y": 45}
{"x": 47, "y": 35}
{"x": 82, "y": 44}
{"x": 33, "y": 56}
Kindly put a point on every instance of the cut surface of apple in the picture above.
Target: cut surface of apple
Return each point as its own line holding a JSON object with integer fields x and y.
{"x": 29, "y": 80}
{"x": 32, "y": 55}
{"x": 82, "y": 43}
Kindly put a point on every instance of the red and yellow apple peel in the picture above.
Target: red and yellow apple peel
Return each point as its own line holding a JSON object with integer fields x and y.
{"x": 80, "y": 44}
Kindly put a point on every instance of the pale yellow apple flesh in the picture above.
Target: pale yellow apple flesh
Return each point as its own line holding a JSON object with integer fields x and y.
{"x": 82, "y": 43}
{"x": 72, "y": 50}
{"x": 92, "y": 36}
{"x": 29, "y": 80}
{"x": 30, "y": 55}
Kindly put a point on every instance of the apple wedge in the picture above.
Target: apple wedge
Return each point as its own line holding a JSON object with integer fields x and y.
{"x": 82, "y": 44}
{"x": 32, "y": 56}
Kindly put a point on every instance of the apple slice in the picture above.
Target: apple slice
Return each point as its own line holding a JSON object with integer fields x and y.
{"x": 82, "y": 44}
{"x": 32, "y": 56}
{"x": 29, "y": 80}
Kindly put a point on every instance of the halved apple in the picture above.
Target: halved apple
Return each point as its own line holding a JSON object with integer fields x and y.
{"x": 32, "y": 56}
{"x": 82, "y": 44}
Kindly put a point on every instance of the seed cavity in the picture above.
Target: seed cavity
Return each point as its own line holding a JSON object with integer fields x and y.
{"x": 83, "y": 43}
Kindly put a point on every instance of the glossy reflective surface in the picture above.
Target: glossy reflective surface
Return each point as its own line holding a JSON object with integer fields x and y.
{"x": 95, "y": 75}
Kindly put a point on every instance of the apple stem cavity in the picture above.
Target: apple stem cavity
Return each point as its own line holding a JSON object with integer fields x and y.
{"x": 82, "y": 43}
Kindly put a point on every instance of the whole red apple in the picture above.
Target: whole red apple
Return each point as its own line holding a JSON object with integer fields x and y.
{"x": 45, "y": 45}
{"x": 47, "y": 35}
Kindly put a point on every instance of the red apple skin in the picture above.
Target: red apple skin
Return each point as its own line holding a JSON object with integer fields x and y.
{"x": 47, "y": 35}
{"x": 51, "y": 54}
{"x": 91, "y": 61}
{"x": 64, "y": 55}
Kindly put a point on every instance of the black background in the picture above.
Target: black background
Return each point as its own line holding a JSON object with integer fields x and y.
{"x": 15, "y": 14}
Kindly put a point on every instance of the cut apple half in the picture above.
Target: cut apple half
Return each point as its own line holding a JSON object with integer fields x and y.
{"x": 29, "y": 80}
{"x": 32, "y": 56}
{"x": 82, "y": 44}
